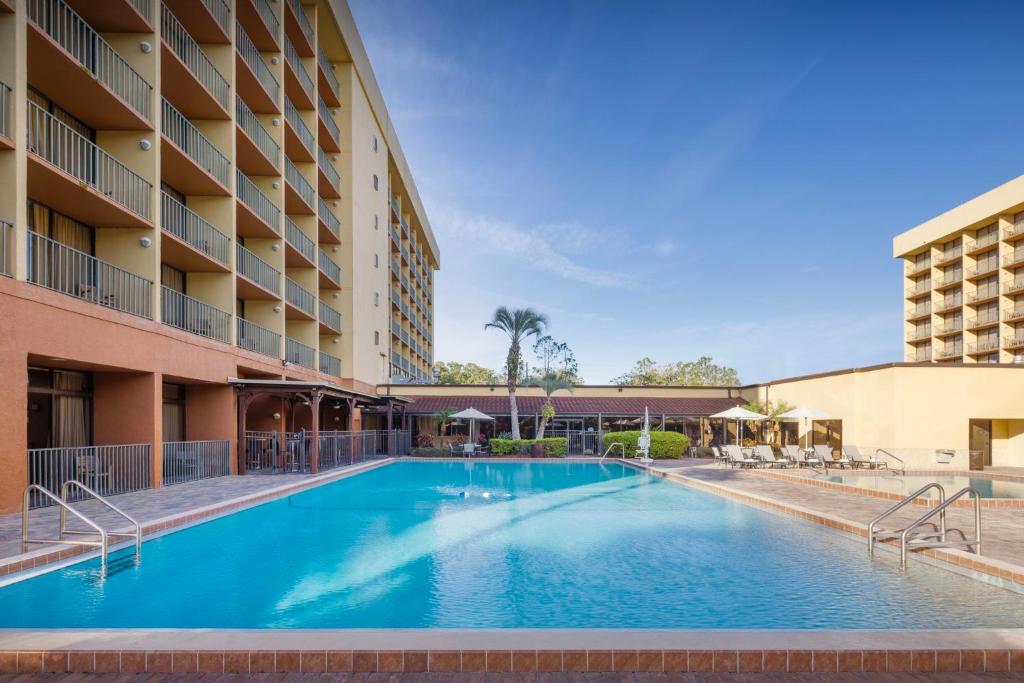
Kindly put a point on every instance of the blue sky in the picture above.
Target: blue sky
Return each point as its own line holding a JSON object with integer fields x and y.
{"x": 676, "y": 179}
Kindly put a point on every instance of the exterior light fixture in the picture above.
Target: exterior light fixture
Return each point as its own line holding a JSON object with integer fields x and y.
{"x": 276, "y": 185}
{"x": 275, "y": 247}
{"x": 273, "y": 60}
{"x": 335, "y": 340}
{"x": 335, "y": 295}
{"x": 334, "y": 204}
{"x": 277, "y": 309}
{"x": 146, "y": 47}
{"x": 146, "y": 242}
{"x": 276, "y": 416}
{"x": 275, "y": 121}
{"x": 334, "y": 249}
{"x": 145, "y": 144}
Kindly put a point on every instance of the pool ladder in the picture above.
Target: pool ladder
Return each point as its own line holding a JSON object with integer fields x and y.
{"x": 103, "y": 543}
{"x": 938, "y": 539}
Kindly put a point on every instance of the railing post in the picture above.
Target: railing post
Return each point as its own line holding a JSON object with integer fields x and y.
{"x": 314, "y": 454}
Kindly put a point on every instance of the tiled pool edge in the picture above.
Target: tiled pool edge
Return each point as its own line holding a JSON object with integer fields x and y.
{"x": 1002, "y": 573}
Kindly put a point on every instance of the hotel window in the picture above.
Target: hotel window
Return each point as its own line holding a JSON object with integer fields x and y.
{"x": 174, "y": 412}
{"x": 987, "y": 235}
{"x": 376, "y": 222}
{"x": 60, "y": 408}
{"x": 376, "y": 338}
{"x": 376, "y": 260}
{"x": 374, "y": 143}
{"x": 376, "y": 182}
{"x": 44, "y": 221}
{"x": 172, "y": 278}
{"x": 951, "y": 249}
{"x": 988, "y": 261}
{"x": 921, "y": 260}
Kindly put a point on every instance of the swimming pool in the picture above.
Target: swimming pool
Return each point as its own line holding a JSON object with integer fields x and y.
{"x": 906, "y": 484}
{"x": 507, "y": 545}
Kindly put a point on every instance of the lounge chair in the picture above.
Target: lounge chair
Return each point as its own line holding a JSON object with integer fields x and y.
{"x": 767, "y": 455}
{"x": 857, "y": 459}
{"x": 737, "y": 459}
{"x": 801, "y": 458}
{"x": 824, "y": 454}
{"x": 792, "y": 453}
{"x": 719, "y": 455}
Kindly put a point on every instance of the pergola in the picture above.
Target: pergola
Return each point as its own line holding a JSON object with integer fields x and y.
{"x": 312, "y": 393}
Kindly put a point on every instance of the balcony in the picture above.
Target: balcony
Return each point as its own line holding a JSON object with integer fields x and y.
{"x": 7, "y": 249}
{"x": 6, "y": 119}
{"x": 71, "y": 174}
{"x": 298, "y": 85}
{"x": 63, "y": 269}
{"x": 297, "y": 28}
{"x": 257, "y": 151}
{"x": 1016, "y": 286}
{"x": 912, "y": 269}
{"x": 1012, "y": 314}
{"x": 300, "y": 302}
{"x": 946, "y": 329}
{"x": 329, "y": 132}
{"x": 114, "y": 16}
{"x": 1014, "y": 342}
{"x": 189, "y": 79}
{"x": 983, "y": 320}
{"x": 398, "y": 212}
{"x": 985, "y": 346}
{"x": 256, "y": 279}
{"x": 192, "y": 315}
{"x": 983, "y": 295}
{"x": 81, "y": 72}
{"x": 948, "y": 304}
{"x": 330, "y": 319}
{"x": 256, "y": 215}
{"x": 189, "y": 162}
{"x": 949, "y": 354}
{"x": 981, "y": 270}
{"x": 300, "y": 251}
{"x": 330, "y": 272}
{"x": 1015, "y": 231}
{"x": 255, "y": 82}
{"x": 193, "y": 245}
{"x": 111, "y": 469}
{"x": 298, "y": 138}
{"x": 299, "y": 195}
{"x": 949, "y": 280}
{"x": 913, "y": 292}
{"x": 329, "y": 180}
{"x": 921, "y": 356}
{"x": 330, "y": 226}
{"x": 951, "y": 255}
{"x": 329, "y": 365}
{"x": 253, "y": 337}
{"x": 328, "y": 82}
{"x": 1013, "y": 259}
{"x": 208, "y": 21}
{"x": 299, "y": 353}
{"x": 983, "y": 243}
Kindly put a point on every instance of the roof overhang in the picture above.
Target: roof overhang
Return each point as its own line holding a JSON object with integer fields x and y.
{"x": 289, "y": 386}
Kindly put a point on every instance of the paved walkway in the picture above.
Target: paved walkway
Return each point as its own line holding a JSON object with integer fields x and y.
{"x": 1002, "y": 530}
{"x": 525, "y": 678}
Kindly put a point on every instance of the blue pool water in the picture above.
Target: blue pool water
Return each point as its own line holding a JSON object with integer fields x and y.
{"x": 905, "y": 484}
{"x": 466, "y": 545}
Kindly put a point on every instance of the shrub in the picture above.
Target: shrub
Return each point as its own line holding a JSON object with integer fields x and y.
{"x": 425, "y": 440}
{"x": 663, "y": 444}
{"x": 553, "y": 447}
{"x": 429, "y": 452}
{"x": 457, "y": 439}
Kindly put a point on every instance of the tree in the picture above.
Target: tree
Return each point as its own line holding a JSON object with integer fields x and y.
{"x": 772, "y": 409}
{"x": 701, "y": 372}
{"x": 451, "y": 372}
{"x": 556, "y": 357}
{"x": 519, "y": 325}
{"x": 442, "y": 417}
{"x": 549, "y": 384}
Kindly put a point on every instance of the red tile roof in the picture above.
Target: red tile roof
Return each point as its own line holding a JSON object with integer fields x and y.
{"x": 574, "y": 405}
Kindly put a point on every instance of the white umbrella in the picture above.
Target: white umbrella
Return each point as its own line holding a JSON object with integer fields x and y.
{"x": 739, "y": 414}
{"x": 471, "y": 414}
{"x": 643, "y": 446}
{"x": 804, "y": 413}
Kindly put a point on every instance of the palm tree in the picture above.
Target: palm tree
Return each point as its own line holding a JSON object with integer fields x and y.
{"x": 518, "y": 325}
{"x": 549, "y": 384}
{"x": 442, "y": 417}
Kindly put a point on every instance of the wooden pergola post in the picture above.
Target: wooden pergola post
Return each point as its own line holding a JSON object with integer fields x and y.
{"x": 314, "y": 450}
{"x": 245, "y": 399}
{"x": 390, "y": 426}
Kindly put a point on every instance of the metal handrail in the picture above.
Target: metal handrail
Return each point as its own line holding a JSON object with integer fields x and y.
{"x": 303, "y": 20}
{"x": 294, "y": 177}
{"x": 333, "y": 177}
{"x": 299, "y": 297}
{"x": 252, "y": 267}
{"x": 906, "y": 540}
{"x": 192, "y": 315}
{"x": 328, "y": 70}
{"x": 903, "y": 469}
{"x": 192, "y": 56}
{"x": 266, "y": 13}
{"x": 221, "y": 13}
{"x": 255, "y": 199}
{"x": 258, "y": 338}
{"x": 297, "y": 352}
{"x": 328, "y": 266}
{"x": 329, "y": 316}
{"x": 66, "y": 488}
{"x": 5, "y": 110}
{"x": 191, "y": 228}
{"x": 291, "y": 56}
{"x": 251, "y": 56}
{"x": 330, "y": 220}
{"x": 292, "y": 116}
{"x": 194, "y": 144}
{"x": 26, "y": 540}
{"x": 294, "y": 236}
{"x": 329, "y": 364}
{"x": 7, "y": 242}
{"x": 899, "y": 506}
{"x": 329, "y": 122}
{"x": 609, "y": 449}
{"x": 256, "y": 131}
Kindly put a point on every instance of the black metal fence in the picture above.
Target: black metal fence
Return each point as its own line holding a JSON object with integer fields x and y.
{"x": 284, "y": 452}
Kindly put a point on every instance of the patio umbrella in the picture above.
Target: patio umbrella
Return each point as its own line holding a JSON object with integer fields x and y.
{"x": 804, "y": 413}
{"x": 643, "y": 446}
{"x": 739, "y": 414}
{"x": 471, "y": 414}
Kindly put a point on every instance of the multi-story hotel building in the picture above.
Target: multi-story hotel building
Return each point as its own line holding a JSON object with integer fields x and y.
{"x": 964, "y": 281}
{"x": 192, "y": 191}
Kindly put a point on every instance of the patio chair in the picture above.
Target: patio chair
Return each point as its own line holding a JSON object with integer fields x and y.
{"x": 468, "y": 449}
{"x": 737, "y": 459}
{"x": 89, "y": 471}
{"x": 719, "y": 455}
{"x": 791, "y": 453}
{"x": 767, "y": 455}
{"x": 857, "y": 459}
{"x": 453, "y": 450}
{"x": 824, "y": 453}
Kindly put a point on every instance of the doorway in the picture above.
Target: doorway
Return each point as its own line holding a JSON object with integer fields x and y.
{"x": 980, "y": 444}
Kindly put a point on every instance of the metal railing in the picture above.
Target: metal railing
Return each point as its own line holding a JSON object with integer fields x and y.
{"x": 1013, "y": 342}
{"x": 292, "y": 57}
{"x": 299, "y": 353}
{"x": 252, "y": 267}
{"x": 949, "y": 302}
{"x": 94, "y": 53}
{"x": 329, "y": 316}
{"x": 1013, "y": 258}
{"x": 7, "y": 248}
{"x": 192, "y": 315}
{"x": 189, "y": 227}
{"x": 1014, "y": 286}
{"x": 294, "y": 236}
{"x": 985, "y": 240}
{"x": 988, "y": 266}
{"x": 189, "y": 52}
{"x": 299, "y": 297}
{"x": 984, "y": 318}
{"x": 252, "y": 127}
{"x": 330, "y": 364}
{"x": 5, "y": 110}
{"x": 950, "y": 327}
{"x": 922, "y": 357}
{"x": 328, "y": 71}
{"x": 300, "y": 14}
{"x": 194, "y": 144}
{"x": 221, "y": 13}
{"x": 266, "y": 13}
{"x": 253, "y": 197}
{"x": 915, "y": 289}
{"x": 143, "y": 8}
{"x": 294, "y": 176}
{"x": 986, "y": 346}
{"x": 252, "y": 57}
{"x": 292, "y": 116}
{"x": 106, "y": 469}
{"x": 951, "y": 352}
{"x": 918, "y": 268}
{"x": 328, "y": 266}
{"x": 1013, "y": 313}
{"x": 257, "y": 338}
{"x": 328, "y": 218}
{"x": 950, "y": 254}
{"x": 67, "y": 270}
{"x": 194, "y": 460}
{"x": 985, "y": 292}
{"x": 60, "y": 145}
{"x": 333, "y": 177}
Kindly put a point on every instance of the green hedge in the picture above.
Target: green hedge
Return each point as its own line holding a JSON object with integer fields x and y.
{"x": 663, "y": 444}
{"x": 552, "y": 447}
{"x": 430, "y": 453}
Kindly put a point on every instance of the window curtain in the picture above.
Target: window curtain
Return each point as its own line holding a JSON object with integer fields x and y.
{"x": 174, "y": 422}
{"x": 71, "y": 413}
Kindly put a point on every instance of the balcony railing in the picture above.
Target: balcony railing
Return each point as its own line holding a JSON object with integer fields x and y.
{"x": 95, "y": 54}
{"x": 986, "y": 318}
{"x": 76, "y": 155}
{"x": 293, "y": 58}
{"x": 299, "y": 297}
{"x": 67, "y": 270}
{"x": 254, "y": 268}
{"x": 913, "y": 269}
{"x": 330, "y": 317}
{"x": 189, "y": 52}
{"x": 250, "y": 123}
{"x": 221, "y": 13}
{"x": 394, "y": 205}
{"x": 982, "y": 293}
{"x": 325, "y": 116}
{"x": 951, "y": 254}
{"x": 251, "y": 56}
{"x": 6, "y": 248}
{"x": 304, "y": 25}
{"x": 329, "y": 219}
{"x": 194, "y": 144}
{"x": 1014, "y": 286}
{"x": 1017, "y": 228}
{"x": 1013, "y": 313}
{"x": 333, "y": 177}
{"x": 326, "y": 66}
{"x": 951, "y": 352}
{"x": 298, "y": 353}
{"x": 949, "y": 303}
{"x": 185, "y": 224}
{"x": 922, "y": 357}
{"x": 107, "y": 470}
{"x": 195, "y": 460}
{"x": 953, "y": 278}
{"x": 266, "y": 13}
{"x": 330, "y": 365}
{"x": 5, "y": 110}
{"x": 986, "y": 346}
{"x": 185, "y": 313}
{"x": 329, "y": 267}
{"x": 259, "y": 339}
{"x": 1014, "y": 342}
{"x": 291, "y": 114}
{"x": 1013, "y": 258}
{"x": 985, "y": 240}
{"x": 989, "y": 266}
{"x": 913, "y": 290}
{"x": 299, "y": 183}
{"x": 296, "y": 238}
{"x": 950, "y": 327}
{"x": 253, "y": 197}
{"x": 143, "y": 8}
